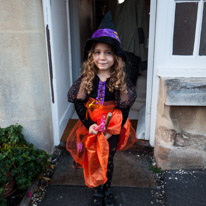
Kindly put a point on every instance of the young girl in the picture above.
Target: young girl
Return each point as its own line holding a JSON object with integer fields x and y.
{"x": 101, "y": 88}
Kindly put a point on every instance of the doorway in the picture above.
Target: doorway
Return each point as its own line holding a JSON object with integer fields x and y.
{"x": 138, "y": 54}
{"x": 81, "y": 18}
{"x": 85, "y": 15}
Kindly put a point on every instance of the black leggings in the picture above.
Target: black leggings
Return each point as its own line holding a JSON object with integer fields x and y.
{"x": 113, "y": 141}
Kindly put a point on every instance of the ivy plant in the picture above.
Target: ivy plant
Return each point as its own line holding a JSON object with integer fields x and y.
{"x": 19, "y": 160}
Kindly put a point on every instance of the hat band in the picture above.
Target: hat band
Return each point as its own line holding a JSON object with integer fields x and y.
{"x": 106, "y": 32}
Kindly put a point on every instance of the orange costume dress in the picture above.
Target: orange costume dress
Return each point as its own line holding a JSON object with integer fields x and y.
{"x": 92, "y": 151}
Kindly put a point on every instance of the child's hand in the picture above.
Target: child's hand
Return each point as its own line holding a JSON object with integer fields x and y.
{"x": 92, "y": 129}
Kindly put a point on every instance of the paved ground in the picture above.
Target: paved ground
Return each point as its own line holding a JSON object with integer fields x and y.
{"x": 169, "y": 188}
{"x": 185, "y": 188}
{"x": 81, "y": 196}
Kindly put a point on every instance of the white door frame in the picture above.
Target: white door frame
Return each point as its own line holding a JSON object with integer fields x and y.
{"x": 152, "y": 79}
{"x": 48, "y": 22}
{"x": 58, "y": 125}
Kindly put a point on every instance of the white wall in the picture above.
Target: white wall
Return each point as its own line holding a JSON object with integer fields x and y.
{"x": 24, "y": 80}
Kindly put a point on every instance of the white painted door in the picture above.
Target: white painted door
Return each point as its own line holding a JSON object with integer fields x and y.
{"x": 56, "y": 15}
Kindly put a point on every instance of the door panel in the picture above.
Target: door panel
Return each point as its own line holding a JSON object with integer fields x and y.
{"x": 57, "y": 14}
{"x": 151, "y": 78}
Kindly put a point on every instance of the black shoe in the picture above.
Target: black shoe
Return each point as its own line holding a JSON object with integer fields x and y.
{"x": 98, "y": 198}
{"x": 108, "y": 198}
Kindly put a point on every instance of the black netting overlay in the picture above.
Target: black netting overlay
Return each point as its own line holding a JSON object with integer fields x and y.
{"x": 78, "y": 95}
{"x": 126, "y": 100}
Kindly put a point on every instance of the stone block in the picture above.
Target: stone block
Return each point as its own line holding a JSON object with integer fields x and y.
{"x": 163, "y": 120}
{"x": 11, "y": 54}
{"x": 160, "y": 105}
{"x": 4, "y": 102}
{"x": 166, "y": 137}
{"x": 25, "y": 96}
{"x": 186, "y": 158}
{"x": 162, "y": 90}
{"x": 201, "y": 114}
{"x": 22, "y": 50}
{"x": 21, "y": 15}
{"x": 187, "y": 118}
{"x": 24, "y": 78}
{"x": 179, "y": 158}
{"x": 162, "y": 154}
{"x": 183, "y": 113}
{"x": 180, "y": 141}
{"x": 179, "y": 150}
{"x": 185, "y": 91}
{"x": 188, "y": 140}
{"x": 192, "y": 126}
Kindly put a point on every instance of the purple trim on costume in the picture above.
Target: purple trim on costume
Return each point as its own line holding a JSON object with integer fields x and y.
{"x": 79, "y": 146}
{"x": 106, "y": 32}
{"x": 101, "y": 92}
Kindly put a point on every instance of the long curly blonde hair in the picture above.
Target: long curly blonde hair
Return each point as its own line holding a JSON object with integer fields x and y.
{"x": 117, "y": 74}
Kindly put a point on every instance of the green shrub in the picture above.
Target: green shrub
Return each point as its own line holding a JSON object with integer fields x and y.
{"x": 19, "y": 159}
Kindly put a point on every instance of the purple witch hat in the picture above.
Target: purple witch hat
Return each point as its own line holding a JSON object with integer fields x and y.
{"x": 106, "y": 34}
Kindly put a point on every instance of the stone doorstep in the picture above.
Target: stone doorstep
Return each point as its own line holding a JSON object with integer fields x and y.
{"x": 129, "y": 166}
{"x": 183, "y": 150}
{"x": 175, "y": 158}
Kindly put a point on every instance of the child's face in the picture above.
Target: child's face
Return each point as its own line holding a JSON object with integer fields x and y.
{"x": 103, "y": 56}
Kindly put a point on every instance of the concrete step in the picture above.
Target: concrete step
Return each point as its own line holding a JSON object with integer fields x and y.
{"x": 131, "y": 169}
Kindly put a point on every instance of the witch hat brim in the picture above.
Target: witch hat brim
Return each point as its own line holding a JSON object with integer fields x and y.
{"x": 106, "y": 34}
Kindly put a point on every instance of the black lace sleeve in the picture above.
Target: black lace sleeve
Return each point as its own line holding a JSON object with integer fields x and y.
{"x": 77, "y": 91}
{"x": 81, "y": 112}
{"x": 78, "y": 95}
{"x": 126, "y": 100}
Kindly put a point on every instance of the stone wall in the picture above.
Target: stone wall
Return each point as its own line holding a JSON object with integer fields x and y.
{"x": 24, "y": 80}
{"x": 180, "y": 141}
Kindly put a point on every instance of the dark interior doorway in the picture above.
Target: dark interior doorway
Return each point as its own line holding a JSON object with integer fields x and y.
{"x": 90, "y": 20}
{"x": 131, "y": 20}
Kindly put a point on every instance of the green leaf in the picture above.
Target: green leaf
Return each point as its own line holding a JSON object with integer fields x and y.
{"x": 20, "y": 158}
